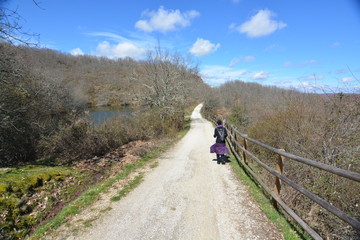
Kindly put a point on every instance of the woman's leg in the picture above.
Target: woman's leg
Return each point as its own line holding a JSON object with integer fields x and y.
{"x": 219, "y": 158}
{"x": 222, "y": 158}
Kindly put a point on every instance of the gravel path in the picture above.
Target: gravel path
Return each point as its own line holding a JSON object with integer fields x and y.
{"x": 188, "y": 196}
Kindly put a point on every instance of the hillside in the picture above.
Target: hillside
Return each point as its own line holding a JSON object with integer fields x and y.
{"x": 93, "y": 80}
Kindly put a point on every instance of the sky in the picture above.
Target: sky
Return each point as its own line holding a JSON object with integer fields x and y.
{"x": 308, "y": 45}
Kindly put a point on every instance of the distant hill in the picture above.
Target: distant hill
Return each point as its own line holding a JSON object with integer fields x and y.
{"x": 96, "y": 81}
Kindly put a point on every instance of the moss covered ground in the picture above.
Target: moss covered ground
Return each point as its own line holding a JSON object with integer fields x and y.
{"x": 28, "y": 195}
{"x": 33, "y": 197}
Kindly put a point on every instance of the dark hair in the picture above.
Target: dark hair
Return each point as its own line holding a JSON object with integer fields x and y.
{"x": 219, "y": 122}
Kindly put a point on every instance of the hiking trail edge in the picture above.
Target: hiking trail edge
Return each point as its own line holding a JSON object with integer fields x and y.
{"x": 187, "y": 196}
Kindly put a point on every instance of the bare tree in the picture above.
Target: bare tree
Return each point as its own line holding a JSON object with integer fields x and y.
{"x": 165, "y": 79}
{"x": 323, "y": 127}
{"x": 11, "y": 29}
{"x": 31, "y": 106}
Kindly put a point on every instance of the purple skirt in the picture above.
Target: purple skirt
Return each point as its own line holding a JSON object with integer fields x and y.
{"x": 219, "y": 148}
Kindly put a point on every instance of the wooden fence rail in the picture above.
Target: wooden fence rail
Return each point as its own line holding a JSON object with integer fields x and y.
{"x": 237, "y": 144}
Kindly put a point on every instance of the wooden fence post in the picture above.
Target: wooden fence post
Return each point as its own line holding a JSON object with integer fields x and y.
{"x": 279, "y": 169}
{"x": 233, "y": 137}
{"x": 245, "y": 146}
{"x": 236, "y": 148}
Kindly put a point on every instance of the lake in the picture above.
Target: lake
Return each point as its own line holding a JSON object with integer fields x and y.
{"x": 100, "y": 114}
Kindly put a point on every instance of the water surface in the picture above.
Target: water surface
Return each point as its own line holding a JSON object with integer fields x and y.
{"x": 100, "y": 114}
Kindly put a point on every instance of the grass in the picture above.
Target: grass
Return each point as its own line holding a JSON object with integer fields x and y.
{"x": 289, "y": 231}
{"x": 22, "y": 179}
{"x": 88, "y": 223}
{"x": 133, "y": 184}
{"x": 19, "y": 208}
{"x": 91, "y": 195}
{"x": 154, "y": 165}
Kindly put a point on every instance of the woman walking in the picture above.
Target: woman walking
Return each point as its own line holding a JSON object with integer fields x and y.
{"x": 219, "y": 147}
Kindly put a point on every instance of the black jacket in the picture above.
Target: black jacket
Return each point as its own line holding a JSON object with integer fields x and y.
{"x": 217, "y": 135}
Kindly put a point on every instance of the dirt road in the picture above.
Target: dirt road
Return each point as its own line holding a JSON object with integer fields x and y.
{"x": 188, "y": 196}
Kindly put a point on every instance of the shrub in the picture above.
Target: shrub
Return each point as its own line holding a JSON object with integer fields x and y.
{"x": 82, "y": 140}
{"x": 75, "y": 142}
{"x": 325, "y": 131}
{"x": 322, "y": 127}
{"x": 30, "y": 107}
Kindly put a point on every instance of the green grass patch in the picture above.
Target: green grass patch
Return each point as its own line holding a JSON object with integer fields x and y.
{"x": 22, "y": 179}
{"x": 187, "y": 121}
{"x": 133, "y": 184}
{"x": 88, "y": 197}
{"x": 17, "y": 186}
{"x": 154, "y": 165}
{"x": 92, "y": 194}
{"x": 289, "y": 230}
{"x": 88, "y": 223}
{"x": 183, "y": 132}
{"x": 106, "y": 209}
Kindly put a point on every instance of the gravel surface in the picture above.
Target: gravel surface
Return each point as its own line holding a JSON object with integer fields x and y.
{"x": 188, "y": 196}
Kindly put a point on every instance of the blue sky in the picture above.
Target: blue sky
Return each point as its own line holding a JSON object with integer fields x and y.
{"x": 310, "y": 45}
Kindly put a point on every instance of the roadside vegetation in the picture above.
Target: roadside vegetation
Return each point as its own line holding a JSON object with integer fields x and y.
{"x": 289, "y": 231}
{"x": 50, "y": 154}
{"x": 94, "y": 192}
{"x": 323, "y": 127}
{"x": 47, "y": 140}
{"x": 32, "y": 194}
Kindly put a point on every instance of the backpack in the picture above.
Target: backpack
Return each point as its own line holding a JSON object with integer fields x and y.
{"x": 221, "y": 132}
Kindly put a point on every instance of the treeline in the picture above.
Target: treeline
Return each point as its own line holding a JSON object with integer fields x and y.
{"x": 44, "y": 94}
{"x": 323, "y": 127}
{"x": 99, "y": 80}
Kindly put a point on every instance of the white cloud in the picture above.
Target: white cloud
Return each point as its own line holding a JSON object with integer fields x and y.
{"x": 304, "y": 86}
{"x": 232, "y": 26}
{"x": 216, "y": 75}
{"x": 261, "y": 24}
{"x": 236, "y": 60}
{"x": 109, "y": 35}
{"x": 203, "y": 47}
{"x": 76, "y": 52}
{"x": 260, "y": 75}
{"x": 164, "y": 20}
{"x": 347, "y": 79}
{"x": 120, "y": 50}
{"x": 138, "y": 39}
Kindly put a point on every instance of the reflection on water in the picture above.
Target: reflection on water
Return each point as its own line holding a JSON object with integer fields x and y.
{"x": 100, "y": 114}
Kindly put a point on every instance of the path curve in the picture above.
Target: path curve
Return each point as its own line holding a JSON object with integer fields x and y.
{"x": 188, "y": 196}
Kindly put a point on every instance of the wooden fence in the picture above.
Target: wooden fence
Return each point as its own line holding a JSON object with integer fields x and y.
{"x": 239, "y": 146}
